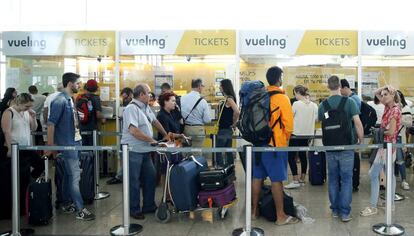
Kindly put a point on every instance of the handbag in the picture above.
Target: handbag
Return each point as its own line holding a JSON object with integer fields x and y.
{"x": 216, "y": 125}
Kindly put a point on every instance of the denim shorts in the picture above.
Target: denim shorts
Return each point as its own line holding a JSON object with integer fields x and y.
{"x": 271, "y": 164}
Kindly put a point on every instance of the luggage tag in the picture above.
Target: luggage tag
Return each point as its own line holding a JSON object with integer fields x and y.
{"x": 326, "y": 115}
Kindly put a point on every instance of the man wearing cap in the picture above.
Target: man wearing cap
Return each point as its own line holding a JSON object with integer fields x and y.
{"x": 95, "y": 111}
{"x": 196, "y": 113}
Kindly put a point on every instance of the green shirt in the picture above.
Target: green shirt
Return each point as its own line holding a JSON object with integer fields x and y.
{"x": 351, "y": 109}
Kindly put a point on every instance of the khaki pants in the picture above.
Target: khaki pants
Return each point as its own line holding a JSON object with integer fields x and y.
{"x": 193, "y": 132}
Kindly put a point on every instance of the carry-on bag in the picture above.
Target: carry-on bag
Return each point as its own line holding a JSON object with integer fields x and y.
{"x": 217, "y": 198}
{"x": 267, "y": 206}
{"x": 39, "y": 199}
{"x": 317, "y": 168}
{"x": 86, "y": 183}
{"x": 184, "y": 185}
{"x": 217, "y": 178}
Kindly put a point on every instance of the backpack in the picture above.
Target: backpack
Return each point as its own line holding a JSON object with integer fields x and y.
{"x": 255, "y": 113}
{"x": 84, "y": 105}
{"x": 336, "y": 126}
{"x": 368, "y": 117}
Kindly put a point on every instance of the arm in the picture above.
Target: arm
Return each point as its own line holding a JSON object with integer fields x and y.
{"x": 51, "y": 134}
{"x": 236, "y": 112}
{"x": 45, "y": 113}
{"x": 32, "y": 120}
{"x": 160, "y": 129}
{"x": 98, "y": 108}
{"x": 392, "y": 127}
{"x": 6, "y": 126}
{"x": 286, "y": 116}
{"x": 138, "y": 134}
{"x": 358, "y": 128}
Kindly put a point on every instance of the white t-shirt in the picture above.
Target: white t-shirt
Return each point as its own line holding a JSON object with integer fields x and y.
{"x": 305, "y": 114}
{"x": 379, "y": 109}
{"x": 20, "y": 132}
{"x": 49, "y": 100}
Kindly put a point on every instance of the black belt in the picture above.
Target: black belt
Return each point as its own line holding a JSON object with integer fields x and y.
{"x": 193, "y": 125}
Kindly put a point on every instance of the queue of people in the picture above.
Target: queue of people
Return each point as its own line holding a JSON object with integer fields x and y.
{"x": 187, "y": 116}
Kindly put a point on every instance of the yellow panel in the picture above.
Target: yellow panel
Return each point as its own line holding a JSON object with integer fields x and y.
{"x": 324, "y": 42}
{"x": 109, "y": 126}
{"x": 89, "y": 43}
{"x": 209, "y": 42}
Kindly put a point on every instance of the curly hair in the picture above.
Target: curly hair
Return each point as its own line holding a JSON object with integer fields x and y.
{"x": 165, "y": 97}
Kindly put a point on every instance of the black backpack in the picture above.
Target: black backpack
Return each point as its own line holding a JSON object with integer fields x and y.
{"x": 368, "y": 117}
{"x": 336, "y": 125}
{"x": 255, "y": 113}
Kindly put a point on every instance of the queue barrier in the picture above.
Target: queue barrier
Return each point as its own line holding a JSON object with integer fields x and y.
{"x": 387, "y": 228}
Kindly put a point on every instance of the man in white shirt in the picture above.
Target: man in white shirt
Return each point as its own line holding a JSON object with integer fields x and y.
{"x": 38, "y": 101}
{"x": 196, "y": 113}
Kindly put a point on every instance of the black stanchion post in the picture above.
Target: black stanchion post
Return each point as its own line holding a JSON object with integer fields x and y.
{"x": 389, "y": 228}
{"x": 126, "y": 228}
{"x": 248, "y": 230}
{"x": 98, "y": 195}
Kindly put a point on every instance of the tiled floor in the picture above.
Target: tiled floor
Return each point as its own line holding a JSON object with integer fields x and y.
{"x": 315, "y": 198}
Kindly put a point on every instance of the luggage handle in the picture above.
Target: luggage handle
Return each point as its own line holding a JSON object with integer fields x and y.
{"x": 197, "y": 162}
{"x": 46, "y": 159}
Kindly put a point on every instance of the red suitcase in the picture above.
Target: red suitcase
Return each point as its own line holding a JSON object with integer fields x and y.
{"x": 217, "y": 198}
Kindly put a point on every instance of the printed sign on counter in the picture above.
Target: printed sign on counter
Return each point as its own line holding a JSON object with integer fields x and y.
{"x": 387, "y": 43}
{"x": 90, "y": 43}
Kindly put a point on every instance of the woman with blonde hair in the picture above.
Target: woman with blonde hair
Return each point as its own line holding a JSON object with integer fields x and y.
{"x": 391, "y": 123}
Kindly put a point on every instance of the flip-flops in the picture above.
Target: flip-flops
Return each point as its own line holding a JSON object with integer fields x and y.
{"x": 289, "y": 221}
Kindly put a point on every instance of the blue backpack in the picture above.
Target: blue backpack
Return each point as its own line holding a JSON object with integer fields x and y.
{"x": 255, "y": 113}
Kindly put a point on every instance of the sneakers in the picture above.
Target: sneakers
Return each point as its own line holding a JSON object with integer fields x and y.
{"x": 114, "y": 180}
{"x": 346, "y": 218}
{"x": 335, "y": 215}
{"x": 69, "y": 209}
{"x": 369, "y": 211}
{"x": 86, "y": 215}
{"x": 292, "y": 185}
{"x": 405, "y": 185}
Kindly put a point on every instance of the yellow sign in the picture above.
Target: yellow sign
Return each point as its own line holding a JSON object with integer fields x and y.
{"x": 92, "y": 43}
{"x": 324, "y": 42}
{"x": 207, "y": 42}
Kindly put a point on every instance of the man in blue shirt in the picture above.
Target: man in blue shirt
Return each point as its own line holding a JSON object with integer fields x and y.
{"x": 347, "y": 92}
{"x": 63, "y": 130}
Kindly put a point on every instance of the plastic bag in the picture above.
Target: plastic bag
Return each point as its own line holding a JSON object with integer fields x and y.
{"x": 302, "y": 214}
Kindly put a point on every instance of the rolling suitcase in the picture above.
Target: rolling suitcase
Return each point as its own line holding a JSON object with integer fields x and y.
{"x": 217, "y": 178}
{"x": 86, "y": 183}
{"x": 317, "y": 168}
{"x": 184, "y": 185}
{"x": 39, "y": 200}
{"x": 217, "y": 198}
{"x": 267, "y": 206}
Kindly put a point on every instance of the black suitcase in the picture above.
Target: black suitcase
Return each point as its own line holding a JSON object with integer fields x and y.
{"x": 39, "y": 200}
{"x": 217, "y": 178}
{"x": 267, "y": 206}
{"x": 86, "y": 183}
{"x": 317, "y": 168}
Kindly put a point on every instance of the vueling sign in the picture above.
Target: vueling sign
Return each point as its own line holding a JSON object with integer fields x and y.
{"x": 59, "y": 43}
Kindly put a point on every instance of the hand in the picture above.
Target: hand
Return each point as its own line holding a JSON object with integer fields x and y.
{"x": 32, "y": 113}
{"x": 9, "y": 152}
{"x": 50, "y": 153}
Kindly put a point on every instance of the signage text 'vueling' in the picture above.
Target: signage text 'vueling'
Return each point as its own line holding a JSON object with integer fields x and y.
{"x": 27, "y": 43}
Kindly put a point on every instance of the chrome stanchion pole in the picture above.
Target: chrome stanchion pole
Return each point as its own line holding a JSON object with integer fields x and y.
{"x": 248, "y": 230}
{"x": 213, "y": 145}
{"x": 98, "y": 195}
{"x": 16, "y": 231}
{"x": 389, "y": 228}
{"x": 126, "y": 228}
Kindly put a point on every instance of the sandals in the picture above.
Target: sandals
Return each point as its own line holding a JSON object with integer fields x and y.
{"x": 289, "y": 221}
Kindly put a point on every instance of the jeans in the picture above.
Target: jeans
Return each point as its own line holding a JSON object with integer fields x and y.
{"x": 71, "y": 179}
{"x": 141, "y": 175}
{"x": 374, "y": 174}
{"x": 224, "y": 139}
{"x": 340, "y": 165}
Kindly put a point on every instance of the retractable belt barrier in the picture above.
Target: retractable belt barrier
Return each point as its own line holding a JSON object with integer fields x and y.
{"x": 129, "y": 229}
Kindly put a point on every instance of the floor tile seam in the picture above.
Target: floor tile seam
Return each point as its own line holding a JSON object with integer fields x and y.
{"x": 94, "y": 223}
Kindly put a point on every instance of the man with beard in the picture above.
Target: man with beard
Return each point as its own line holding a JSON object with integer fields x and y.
{"x": 63, "y": 130}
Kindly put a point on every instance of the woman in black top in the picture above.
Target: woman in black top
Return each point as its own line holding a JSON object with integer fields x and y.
{"x": 166, "y": 116}
{"x": 228, "y": 117}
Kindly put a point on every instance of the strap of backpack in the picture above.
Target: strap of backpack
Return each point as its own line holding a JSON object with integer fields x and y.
{"x": 195, "y": 105}
{"x": 342, "y": 103}
{"x": 278, "y": 120}
{"x": 326, "y": 105}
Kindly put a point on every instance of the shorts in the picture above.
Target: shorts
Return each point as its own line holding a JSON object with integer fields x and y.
{"x": 271, "y": 164}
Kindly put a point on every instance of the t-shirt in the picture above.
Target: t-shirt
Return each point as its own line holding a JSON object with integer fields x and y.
{"x": 350, "y": 108}
{"x": 356, "y": 99}
{"x": 305, "y": 114}
{"x": 389, "y": 113}
{"x": 379, "y": 109}
{"x": 38, "y": 104}
{"x": 140, "y": 116}
{"x": 49, "y": 100}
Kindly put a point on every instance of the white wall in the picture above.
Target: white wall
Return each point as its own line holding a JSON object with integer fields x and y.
{"x": 193, "y": 14}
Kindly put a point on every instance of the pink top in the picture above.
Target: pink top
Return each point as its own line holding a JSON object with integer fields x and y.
{"x": 389, "y": 113}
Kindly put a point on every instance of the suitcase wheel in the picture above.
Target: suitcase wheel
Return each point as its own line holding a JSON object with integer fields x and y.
{"x": 163, "y": 214}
